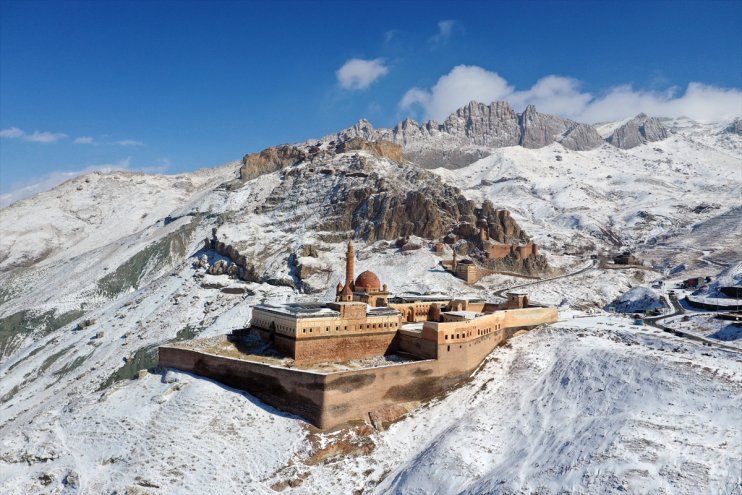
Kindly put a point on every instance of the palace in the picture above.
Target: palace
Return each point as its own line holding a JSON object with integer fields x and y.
{"x": 438, "y": 342}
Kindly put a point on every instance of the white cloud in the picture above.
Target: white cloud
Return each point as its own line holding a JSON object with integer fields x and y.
{"x": 12, "y": 133}
{"x": 457, "y": 88}
{"x": 699, "y": 101}
{"x": 36, "y": 137}
{"x": 445, "y": 30}
{"x": 357, "y": 73}
{"x": 562, "y": 96}
{"x": 84, "y": 140}
{"x": 128, "y": 142}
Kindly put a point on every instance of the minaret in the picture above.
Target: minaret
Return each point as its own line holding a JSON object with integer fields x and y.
{"x": 453, "y": 264}
{"x": 350, "y": 265}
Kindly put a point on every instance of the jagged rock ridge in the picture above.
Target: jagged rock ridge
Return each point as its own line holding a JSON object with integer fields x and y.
{"x": 471, "y": 131}
{"x": 467, "y": 134}
{"x": 637, "y": 131}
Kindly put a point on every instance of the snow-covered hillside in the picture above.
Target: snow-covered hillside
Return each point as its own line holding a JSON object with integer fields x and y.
{"x": 97, "y": 272}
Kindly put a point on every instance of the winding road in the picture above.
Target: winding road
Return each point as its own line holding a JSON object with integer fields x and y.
{"x": 678, "y": 310}
{"x": 652, "y": 320}
{"x": 501, "y": 292}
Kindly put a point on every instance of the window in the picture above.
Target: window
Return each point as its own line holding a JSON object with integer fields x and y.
{"x": 446, "y": 337}
{"x": 449, "y": 349}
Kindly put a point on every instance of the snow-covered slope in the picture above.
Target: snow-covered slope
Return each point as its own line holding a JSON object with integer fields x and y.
{"x": 97, "y": 272}
{"x": 610, "y": 198}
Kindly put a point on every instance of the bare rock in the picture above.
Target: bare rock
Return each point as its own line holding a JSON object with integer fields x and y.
{"x": 735, "y": 127}
{"x": 269, "y": 160}
{"x": 539, "y": 129}
{"x": 309, "y": 250}
{"x": 639, "y": 130}
{"x": 380, "y": 148}
{"x": 72, "y": 480}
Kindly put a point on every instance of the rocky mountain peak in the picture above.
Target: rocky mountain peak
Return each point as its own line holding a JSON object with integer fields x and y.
{"x": 467, "y": 134}
{"x": 637, "y": 131}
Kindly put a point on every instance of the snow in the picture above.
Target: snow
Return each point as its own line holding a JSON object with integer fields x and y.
{"x": 637, "y": 300}
{"x": 587, "y": 410}
{"x": 591, "y": 404}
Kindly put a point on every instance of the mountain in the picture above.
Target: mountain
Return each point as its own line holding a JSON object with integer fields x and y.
{"x": 98, "y": 272}
{"x": 637, "y": 131}
{"x": 471, "y": 131}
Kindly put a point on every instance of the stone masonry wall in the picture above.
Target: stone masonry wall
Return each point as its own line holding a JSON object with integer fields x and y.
{"x": 329, "y": 400}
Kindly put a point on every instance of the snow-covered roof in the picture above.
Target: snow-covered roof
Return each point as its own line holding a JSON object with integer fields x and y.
{"x": 469, "y": 315}
{"x": 299, "y": 310}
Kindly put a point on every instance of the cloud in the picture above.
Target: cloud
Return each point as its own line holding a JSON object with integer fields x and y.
{"x": 357, "y": 73}
{"x": 390, "y": 35}
{"x": 84, "y": 140}
{"x": 457, "y": 88}
{"x": 36, "y": 137}
{"x": 562, "y": 96}
{"x": 12, "y": 133}
{"x": 128, "y": 142}
{"x": 445, "y": 30}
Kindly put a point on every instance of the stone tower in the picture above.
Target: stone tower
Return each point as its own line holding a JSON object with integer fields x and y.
{"x": 350, "y": 265}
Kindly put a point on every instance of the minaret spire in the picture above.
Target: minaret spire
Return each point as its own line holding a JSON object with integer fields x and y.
{"x": 350, "y": 264}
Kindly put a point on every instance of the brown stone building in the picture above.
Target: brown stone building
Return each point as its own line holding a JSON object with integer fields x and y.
{"x": 439, "y": 340}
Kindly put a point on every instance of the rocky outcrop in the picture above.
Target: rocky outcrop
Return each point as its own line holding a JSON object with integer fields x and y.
{"x": 500, "y": 225}
{"x": 735, "y": 127}
{"x": 580, "y": 137}
{"x": 375, "y": 205}
{"x": 269, "y": 160}
{"x": 470, "y": 133}
{"x": 494, "y": 125}
{"x": 637, "y": 131}
{"x": 539, "y": 129}
{"x": 380, "y": 148}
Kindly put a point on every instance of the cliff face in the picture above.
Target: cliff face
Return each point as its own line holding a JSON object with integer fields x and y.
{"x": 639, "y": 130}
{"x": 471, "y": 131}
{"x": 269, "y": 160}
{"x": 380, "y": 148}
{"x": 350, "y": 193}
{"x": 465, "y": 136}
{"x": 374, "y": 193}
{"x": 539, "y": 129}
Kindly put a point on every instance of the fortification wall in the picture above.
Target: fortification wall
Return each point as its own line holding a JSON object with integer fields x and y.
{"x": 295, "y": 391}
{"x": 497, "y": 251}
{"x": 410, "y": 343}
{"x": 329, "y": 400}
{"x": 337, "y": 349}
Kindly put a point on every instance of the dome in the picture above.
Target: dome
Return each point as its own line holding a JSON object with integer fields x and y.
{"x": 368, "y": 280}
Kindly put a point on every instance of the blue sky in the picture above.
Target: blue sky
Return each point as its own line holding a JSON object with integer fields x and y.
{"x": 175, "y": 86}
